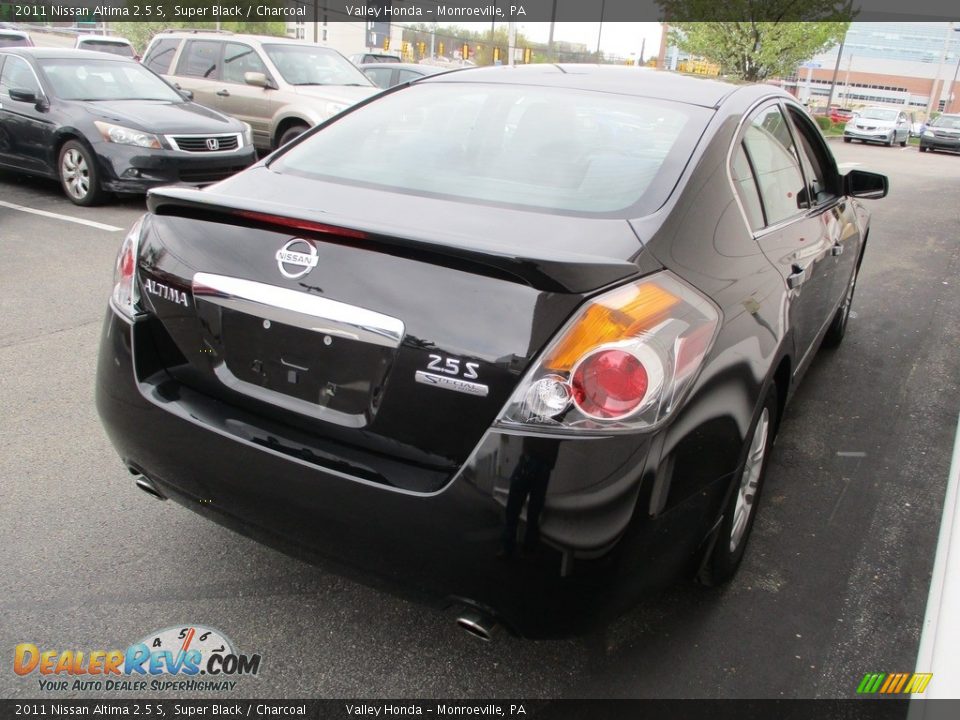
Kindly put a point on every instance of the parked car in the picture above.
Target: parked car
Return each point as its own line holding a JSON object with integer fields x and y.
{"x": 370, "y": 57}
{"x": 515, "y": 339}
{"x": 838, "y": 115}
{"x": 100, "y": 123}
{"x": 879, "y": 124}
{"x": 386, "y": 75}
{"x": 941, "y": 133}
{"x": 280, "y": 87}
{"x": 10, "y": 38}
{"x": 113, "y": 45}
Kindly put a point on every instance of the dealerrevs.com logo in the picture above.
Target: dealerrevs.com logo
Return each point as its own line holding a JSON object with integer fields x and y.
{"x": 182, "y": 658}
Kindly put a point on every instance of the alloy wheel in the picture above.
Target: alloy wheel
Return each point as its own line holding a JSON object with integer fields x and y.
{"x": 749, "y": 481}
{"x": 76, "y": 174}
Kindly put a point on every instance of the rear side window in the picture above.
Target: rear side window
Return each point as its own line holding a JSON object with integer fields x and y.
{"x": 747, "y": 188}
{"x": 773, "y": 157}
{"x": 161, "y": 55}
{"x": 200, "y": 59}
{"x": 381, "y": 76}
{"x": 558, "y": 149}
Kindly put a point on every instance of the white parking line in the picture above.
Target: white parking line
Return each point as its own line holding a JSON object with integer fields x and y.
{"x": 58, "y": 216}
{"x": 941, "y": 623}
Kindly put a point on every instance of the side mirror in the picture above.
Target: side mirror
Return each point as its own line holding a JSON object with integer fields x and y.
{"x": 865, "y": 184}
{"x": 21, "y": 95}
{"x": 257, "y": 79}
{"x": 187, "y": 94}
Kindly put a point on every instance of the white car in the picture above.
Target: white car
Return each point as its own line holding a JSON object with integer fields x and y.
{"x": 102, "y": 43}
{"x": 880, "y": 125}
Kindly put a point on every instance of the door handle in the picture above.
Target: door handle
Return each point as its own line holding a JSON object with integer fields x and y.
{"x": 223, "y": 93}
{"x": 836, "y": 250}
{"x": 797, "y": 277}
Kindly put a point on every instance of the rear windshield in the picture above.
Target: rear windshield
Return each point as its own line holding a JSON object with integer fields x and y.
{"x": 106, "y": 46}
{"x": 550, "y": 148}
{"x": 11, "y": 40}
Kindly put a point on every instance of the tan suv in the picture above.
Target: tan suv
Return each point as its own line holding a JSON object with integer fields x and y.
{"x": 280, "y": 87}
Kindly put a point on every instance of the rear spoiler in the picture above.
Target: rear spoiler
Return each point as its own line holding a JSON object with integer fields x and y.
{"x": 553, "y": 272}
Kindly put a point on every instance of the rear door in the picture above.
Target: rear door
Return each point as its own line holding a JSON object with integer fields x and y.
{"x": 198, "y": 70}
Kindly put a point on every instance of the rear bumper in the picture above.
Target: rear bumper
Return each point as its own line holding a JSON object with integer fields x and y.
{"x": 593, "y": 549}
{"x": 129, "y": 169}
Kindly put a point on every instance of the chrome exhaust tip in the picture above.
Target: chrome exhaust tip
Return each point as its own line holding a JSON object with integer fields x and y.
{"x": 478, "y": 624}
{"x": 146, "y": 484}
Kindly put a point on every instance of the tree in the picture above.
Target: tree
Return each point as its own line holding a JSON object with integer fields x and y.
{"x": 754, "y": 41}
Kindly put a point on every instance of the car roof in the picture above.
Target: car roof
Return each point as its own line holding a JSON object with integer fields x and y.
{"x": 228, "y": 36}
{"x": 103, "y": 38}
{"x": 10, "y": 32}
{"x": 403, "y": 66}
{"x": 620, "y": 79}
{"x": 44, "y": 53}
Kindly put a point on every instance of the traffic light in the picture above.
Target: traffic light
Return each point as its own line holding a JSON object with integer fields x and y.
{"x": 465, "y": 51}
{"x": 527, "y": 56}
{"x": 441, "y": 47}
{"x": 496, "y": 54}
{"x": 386, "y": 43}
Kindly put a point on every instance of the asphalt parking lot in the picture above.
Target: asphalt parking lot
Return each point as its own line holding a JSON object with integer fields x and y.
{"x": 834, "y": 583}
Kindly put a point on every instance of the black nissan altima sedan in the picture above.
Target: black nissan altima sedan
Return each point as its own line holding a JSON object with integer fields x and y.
{"x": 514, "y": 339}
{"x": 100, "y": 123}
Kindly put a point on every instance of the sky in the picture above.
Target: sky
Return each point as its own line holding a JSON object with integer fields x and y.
{"x": 616, "y": 38}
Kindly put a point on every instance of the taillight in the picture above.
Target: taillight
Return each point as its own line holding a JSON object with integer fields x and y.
{"x": 124, "y": 298}
{"x": 622, "y": 363}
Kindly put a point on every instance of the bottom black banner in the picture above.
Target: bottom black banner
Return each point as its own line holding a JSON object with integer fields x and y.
{"x": 854, "y": 709}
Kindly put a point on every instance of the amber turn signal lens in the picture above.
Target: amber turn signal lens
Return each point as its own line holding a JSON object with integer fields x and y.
{"x": 617, "y": 316}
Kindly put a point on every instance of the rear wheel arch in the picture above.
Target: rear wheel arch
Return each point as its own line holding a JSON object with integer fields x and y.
{"x": 287, "y": 124}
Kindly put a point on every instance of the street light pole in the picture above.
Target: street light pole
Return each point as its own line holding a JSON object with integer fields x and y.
{"x": 836, "y": 69}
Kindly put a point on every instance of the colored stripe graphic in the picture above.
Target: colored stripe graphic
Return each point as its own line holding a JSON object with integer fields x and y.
{"x": 918, "y": 683}
{"x": 871, "y": 682}
{"x": 894, "y": 683}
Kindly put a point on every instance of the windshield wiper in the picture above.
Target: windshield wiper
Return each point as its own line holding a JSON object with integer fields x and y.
{"x": 310, "y": 83}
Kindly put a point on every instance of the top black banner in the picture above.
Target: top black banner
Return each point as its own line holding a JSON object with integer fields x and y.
{"x": 449, "y": 13}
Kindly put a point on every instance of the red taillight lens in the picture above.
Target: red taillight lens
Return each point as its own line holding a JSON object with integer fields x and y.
{"x": 124, "y": 298}
{"x": 609, "y": 384}
{"x": 622, "y": 363}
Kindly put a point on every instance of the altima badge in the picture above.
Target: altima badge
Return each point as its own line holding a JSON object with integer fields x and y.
{"x": 290, "y": 255}
{"x": 452, "y": 383}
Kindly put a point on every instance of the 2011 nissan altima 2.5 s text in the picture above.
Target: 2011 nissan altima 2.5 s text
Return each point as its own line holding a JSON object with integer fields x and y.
{"x": 514, "y": 339}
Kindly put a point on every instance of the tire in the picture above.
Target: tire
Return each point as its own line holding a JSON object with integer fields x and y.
{"x": 294, "y": 131}
{"x": 846, "y": 139}
{"x": 78, "y": 173}
{"x": 923, "y": 149}
{"x": 740, "y": 511}
{"x": 892, "y": 140}
{"x": 838, "y": 328}
{"x": 903, "y": 143}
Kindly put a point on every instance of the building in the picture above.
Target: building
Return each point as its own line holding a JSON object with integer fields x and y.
{"x": 913, "y": 65}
